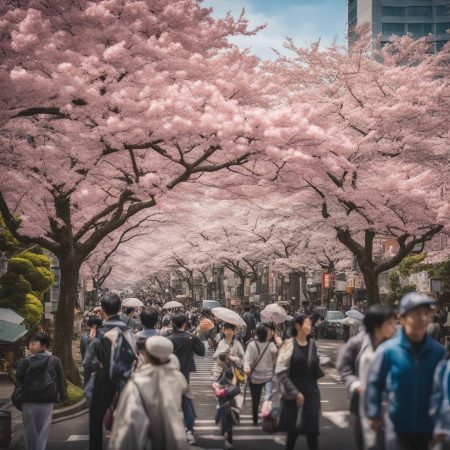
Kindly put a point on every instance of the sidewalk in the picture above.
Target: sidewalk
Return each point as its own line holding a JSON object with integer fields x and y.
{"x": 6, "y": 389}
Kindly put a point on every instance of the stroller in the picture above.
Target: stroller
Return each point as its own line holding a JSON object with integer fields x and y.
{"x": 227, "y": 392}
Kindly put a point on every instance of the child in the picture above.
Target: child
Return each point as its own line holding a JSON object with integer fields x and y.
{"x": 226, "y": 390}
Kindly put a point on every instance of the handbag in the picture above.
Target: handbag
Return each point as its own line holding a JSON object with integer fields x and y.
{"x": 271, "y": 423}
{"x": 17, "y": 396}
{"x": 108, "y": 420}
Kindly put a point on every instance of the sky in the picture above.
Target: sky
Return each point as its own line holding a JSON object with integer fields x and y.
{"x": 303, "y": 20}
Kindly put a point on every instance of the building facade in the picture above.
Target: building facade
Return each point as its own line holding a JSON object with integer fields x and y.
{"x": 398, "y": 17}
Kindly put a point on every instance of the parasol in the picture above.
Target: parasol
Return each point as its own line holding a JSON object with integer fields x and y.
{"x": 172, "y": 304}
{"x": 228, "y": 316}
{"x": 274, "y": 313}
{"x": 132, "y": 302}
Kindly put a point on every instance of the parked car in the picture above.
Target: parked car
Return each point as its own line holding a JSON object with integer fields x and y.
{"x": 332, "y": 326}
{"x": 210, "y": 304}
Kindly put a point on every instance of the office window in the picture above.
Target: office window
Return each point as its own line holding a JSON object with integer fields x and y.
{"x": 393, "y": 28}
{"x": 352, "y": 15}
{"x": 442, "y": 10}
{"x": 419, "y": 29}
{"x": 419, "y": 11}
{"x": 393, "y": 11}
{"x": 441, "y": 28}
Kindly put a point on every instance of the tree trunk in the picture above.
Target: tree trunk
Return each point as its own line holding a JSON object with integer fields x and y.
{"x": 64, "y": 318}
{"x": 371, "y": 282}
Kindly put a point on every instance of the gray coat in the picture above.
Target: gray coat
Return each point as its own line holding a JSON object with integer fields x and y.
{"x": 347, "y": 363}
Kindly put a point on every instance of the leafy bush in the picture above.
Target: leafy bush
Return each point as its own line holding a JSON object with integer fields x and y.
{"x": 31, "y": 311}
{"x": 74, "y": 395}
{"x": 14, "y": 288}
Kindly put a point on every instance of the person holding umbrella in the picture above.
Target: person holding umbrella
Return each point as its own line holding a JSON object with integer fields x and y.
{"x": 227, "y": 373}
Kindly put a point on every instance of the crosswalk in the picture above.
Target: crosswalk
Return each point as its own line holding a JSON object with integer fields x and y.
{"x": 207, "y": 432}
{"x": 205, "y": 403}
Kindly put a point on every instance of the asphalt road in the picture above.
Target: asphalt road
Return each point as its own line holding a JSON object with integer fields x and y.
{"x": 72, "y": 434}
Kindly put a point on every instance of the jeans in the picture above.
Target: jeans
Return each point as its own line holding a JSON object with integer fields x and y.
{"x": 37, "y": 418}
{"x": 255, "y": 391}
{"x": 188, "y": 412}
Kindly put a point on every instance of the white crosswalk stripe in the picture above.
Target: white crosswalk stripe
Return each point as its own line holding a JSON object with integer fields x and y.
{"x": 204, "y": 400}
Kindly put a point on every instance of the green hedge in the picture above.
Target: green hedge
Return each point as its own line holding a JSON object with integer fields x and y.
{"x": 74, "y": 395}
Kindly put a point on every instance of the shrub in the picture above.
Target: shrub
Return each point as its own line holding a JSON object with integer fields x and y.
{"x": 74, "y": 395}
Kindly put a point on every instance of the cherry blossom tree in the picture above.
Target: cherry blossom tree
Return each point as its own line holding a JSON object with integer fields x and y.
{"x": 109, "y": 106}
{"x": 379, "y": 164}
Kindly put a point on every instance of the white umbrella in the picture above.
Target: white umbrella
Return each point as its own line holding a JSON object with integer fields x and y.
{"x": 274, "y": 313}
{"x": 172, "y": 304}
{"x": 228, "y": 316}
{"x": 355, "y": 314}
{"x": 132, "y": 302}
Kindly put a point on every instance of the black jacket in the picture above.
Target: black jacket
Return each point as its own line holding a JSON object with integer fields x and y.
{"x": 185, "y": 345}
{"x": 98, "y": 354}
{"x": 34, "y": 363}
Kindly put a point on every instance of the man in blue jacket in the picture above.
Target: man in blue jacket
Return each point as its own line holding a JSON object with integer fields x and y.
{"x": 403, "y": 371}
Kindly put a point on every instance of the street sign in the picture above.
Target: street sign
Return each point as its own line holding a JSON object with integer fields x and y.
{"x": 326, "y": 280}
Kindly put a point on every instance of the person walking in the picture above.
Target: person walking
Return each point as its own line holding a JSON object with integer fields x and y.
{"x": 297, "y": 370}
{"x": 149, "y": 319}
{"x": 98, "y": 359}
{"x": 185, "y": 346}
{"x": 250, "y": 323}
{"x": 94, "y": 324}
{"x": 440, "y": 404}
{"x": 230, "y": 347}
{"x": 228, "y": 359}
{"x": 259, "y": 366}
{"x": 127, "y": 317}
{"x": 403, "y": 369}
{"x": 379, "y": 326}
{"x": 148, "y": 415}
{"x": 41, "y": 379}
{"x": 347, "y": 365}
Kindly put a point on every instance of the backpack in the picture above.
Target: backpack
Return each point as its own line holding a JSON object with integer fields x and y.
{"x": 123, "y": 356}
{"x": 40, "y": 383}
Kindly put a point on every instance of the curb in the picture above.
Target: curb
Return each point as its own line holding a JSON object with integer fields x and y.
{"x": 67, "y": 412}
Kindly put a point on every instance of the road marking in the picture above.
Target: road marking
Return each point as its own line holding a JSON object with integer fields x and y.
{"x": 338, "y": 418}
{"x": 235, "y": 428}
{"x": 243, "y": 437}
{"x": 206, "y": 421}
{"x": 78, "y": 437}
{"x": 323, "y": 383}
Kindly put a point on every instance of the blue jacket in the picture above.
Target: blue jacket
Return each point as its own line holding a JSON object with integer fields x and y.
{"x": 407, "y": 380}
{"x": 440, "y": 400}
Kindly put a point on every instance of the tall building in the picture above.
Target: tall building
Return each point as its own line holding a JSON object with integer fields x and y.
{"x": 398, "y": 17}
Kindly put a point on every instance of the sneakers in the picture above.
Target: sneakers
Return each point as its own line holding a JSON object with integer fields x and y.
{"x": 228, "y": 445}
{"x": 190, "y": 438}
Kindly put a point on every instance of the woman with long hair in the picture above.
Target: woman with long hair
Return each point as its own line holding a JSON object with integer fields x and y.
{"x": 297, "y": 370}
{"x": 259, "y": 365}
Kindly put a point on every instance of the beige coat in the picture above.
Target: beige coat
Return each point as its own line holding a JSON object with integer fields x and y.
{"x": 149, "y": 415}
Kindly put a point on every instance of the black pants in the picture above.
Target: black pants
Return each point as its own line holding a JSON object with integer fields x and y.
{"x": 102, "y": 398}
{"x": 255, "y": 392}
{"x": 312, "y": 441}
{"x": 413, "y": 441}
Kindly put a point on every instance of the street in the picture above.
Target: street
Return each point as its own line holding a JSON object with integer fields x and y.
{"x": 72, "y": 434}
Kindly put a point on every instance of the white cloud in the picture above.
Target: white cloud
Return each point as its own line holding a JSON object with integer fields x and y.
{"x": 305, "y": 23}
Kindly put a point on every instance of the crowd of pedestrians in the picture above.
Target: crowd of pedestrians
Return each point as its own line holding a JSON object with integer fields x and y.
{"x": 137, "y": 368}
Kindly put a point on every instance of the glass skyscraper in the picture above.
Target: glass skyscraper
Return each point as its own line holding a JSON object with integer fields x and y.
{"x": 398, "y": 17}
